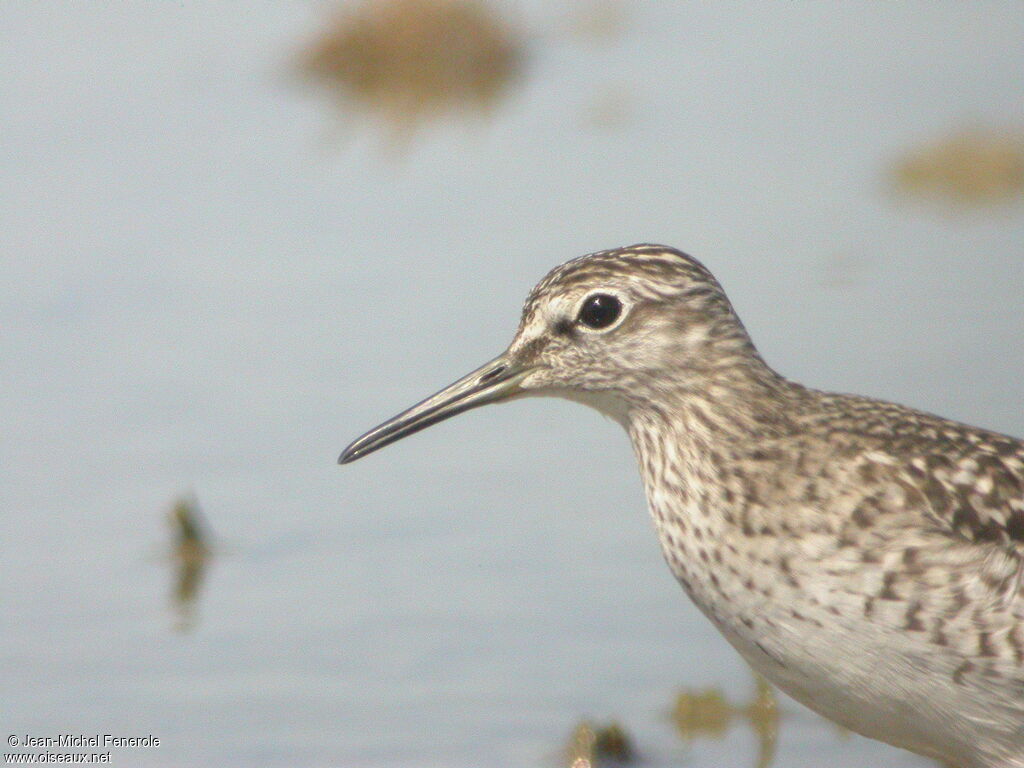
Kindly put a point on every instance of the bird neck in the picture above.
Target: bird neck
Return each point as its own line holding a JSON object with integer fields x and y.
{"x": 685, "y": 443}
{"x": 713, "y": 407}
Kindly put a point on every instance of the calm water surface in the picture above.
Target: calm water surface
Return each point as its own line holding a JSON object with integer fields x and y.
{"x": 216, "y": 276}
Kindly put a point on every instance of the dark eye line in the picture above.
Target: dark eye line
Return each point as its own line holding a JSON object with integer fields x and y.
{"x": 565, "y": 327}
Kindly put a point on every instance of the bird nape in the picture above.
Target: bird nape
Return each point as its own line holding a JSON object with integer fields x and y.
{"x": 865, "y": 557}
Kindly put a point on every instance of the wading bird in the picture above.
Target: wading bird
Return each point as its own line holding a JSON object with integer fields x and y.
{"x": 867, "y": 558}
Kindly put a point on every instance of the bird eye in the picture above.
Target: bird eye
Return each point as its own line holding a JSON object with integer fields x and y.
{"x": 600, "y": 311}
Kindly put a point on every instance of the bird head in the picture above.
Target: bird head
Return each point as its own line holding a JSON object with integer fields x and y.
{"x": 614, "y": 329}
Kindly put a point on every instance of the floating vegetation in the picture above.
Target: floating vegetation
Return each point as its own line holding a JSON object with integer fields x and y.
{"x": 702, "y": 713}
{"x": 410, "y": 60}
{"x": 190, "y": 555}
{"x": 969, "y": 167}
{"x": 707, "y": 714}
{"x": 591, "y": 746}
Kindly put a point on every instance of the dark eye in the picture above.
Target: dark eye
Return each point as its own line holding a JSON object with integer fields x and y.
{"x": 600, "y": 311}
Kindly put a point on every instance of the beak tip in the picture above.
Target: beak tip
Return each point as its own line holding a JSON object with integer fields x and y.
{"x": 491, "y": 382}
{"x": 348, "y": 455}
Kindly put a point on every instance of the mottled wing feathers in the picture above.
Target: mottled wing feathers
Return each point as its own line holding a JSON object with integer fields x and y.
{"x": 970, "y": 481}
{"x": 978, "y": 494}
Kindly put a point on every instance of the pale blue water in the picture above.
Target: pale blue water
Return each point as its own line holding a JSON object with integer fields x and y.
{"x": 202, "y": 292}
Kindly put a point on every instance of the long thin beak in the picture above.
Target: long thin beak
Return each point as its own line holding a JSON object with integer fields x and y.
{"x": 497, "y": 380}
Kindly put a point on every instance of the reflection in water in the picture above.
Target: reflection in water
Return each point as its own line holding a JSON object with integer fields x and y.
{"x": 970, "y": 167}
{"x": 592, "y": 746}
{"x": 410, "y": 60}
{"x": 190, "y": 555}
{"x": 706, "y": 714}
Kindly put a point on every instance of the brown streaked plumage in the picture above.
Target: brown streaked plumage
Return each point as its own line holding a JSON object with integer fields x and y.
{"x": 865, "y": 557}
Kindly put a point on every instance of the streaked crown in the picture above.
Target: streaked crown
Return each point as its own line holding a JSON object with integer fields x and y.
{"x": 674, "y": 325}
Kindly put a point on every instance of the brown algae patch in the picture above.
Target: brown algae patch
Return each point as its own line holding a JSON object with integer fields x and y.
{"x": 409, "y": 60}
{"x": 969, "y": 167}
{"x": 591, "y": 746}
{"x": 190, "y": 555}
{"x": 702, "y": 713}
{"x": 707, "y": 714}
